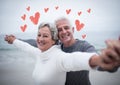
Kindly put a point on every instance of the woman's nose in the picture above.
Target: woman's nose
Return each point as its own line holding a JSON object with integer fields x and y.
{"x": 39, "y": 39}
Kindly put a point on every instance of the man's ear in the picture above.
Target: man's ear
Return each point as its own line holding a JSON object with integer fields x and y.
{"x": 73, "y": 29}
{"x": 58, "y": 36}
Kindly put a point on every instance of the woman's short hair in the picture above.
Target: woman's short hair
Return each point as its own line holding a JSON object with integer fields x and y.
{"x": 52, "y": 29}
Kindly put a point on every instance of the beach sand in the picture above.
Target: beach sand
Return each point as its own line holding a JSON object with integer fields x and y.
{"x": 17, "y": 68}
{"x": 105, "y": 78}
{"x": 16, "y": 74}
{"x": 21, "y": 74}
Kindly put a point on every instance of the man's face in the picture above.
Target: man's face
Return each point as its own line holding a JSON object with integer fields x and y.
{"x": 65, "y": 32}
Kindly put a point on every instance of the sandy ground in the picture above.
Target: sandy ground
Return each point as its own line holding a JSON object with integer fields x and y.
{"x": 20, "y": 73}
{"x": 105, "y": 78}
{"x": 16, "y": 69}
{"x": 16, "y": 74}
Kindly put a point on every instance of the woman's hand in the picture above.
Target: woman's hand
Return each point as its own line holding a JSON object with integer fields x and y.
{"x": 10, "y": 38}
{"x": 109, "y": 57}
{"x": 115, "y": 53}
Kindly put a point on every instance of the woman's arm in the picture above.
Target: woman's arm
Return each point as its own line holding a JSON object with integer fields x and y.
{"x": 75, "y": 61}
{"x": 11, "y": 39}
{"x": 86, "y": 61}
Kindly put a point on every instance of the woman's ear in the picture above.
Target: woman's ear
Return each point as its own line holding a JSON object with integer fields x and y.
{"x": 53, "y": 42}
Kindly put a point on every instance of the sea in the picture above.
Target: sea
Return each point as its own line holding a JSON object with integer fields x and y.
{"x": 9, "y": 53}
{"x": 12, "y": 58}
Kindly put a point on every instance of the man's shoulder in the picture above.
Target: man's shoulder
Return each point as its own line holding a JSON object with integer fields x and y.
{"x": 85, "y": 46}
{"x": 30, "y": 41}
{"x": 82, "y": 42}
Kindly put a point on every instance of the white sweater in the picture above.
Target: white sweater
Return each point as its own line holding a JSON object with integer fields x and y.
{"x": 51, "y": 66}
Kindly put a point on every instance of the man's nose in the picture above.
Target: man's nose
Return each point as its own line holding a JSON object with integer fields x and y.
{"x": 63, "y": 30}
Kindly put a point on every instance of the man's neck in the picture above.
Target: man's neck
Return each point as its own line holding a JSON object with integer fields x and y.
{"x": 70, "y": 43}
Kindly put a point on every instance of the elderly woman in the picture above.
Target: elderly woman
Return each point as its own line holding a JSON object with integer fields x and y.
{"x": 52, "y": 63}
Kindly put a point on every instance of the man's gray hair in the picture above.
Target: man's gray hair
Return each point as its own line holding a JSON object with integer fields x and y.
{"x": 52, "y": 29}
{"x": 61, "y": 19}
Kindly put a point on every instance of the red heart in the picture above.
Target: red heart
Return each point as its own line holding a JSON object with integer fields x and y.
{"x": 79, "y": 13}
{"x": 23, "y": 17}
{"x": 89, "y": 10}
{"x": 68, "y": 11}
{"x": 35, "y": 18}
{"x": 56, "y": 7}
{"x": 23, "y": 28}
{"x": 46, "y": 10}
{"x": 79, "y": 25}
{"x": 84, "y": 36}
{"x": 28, "y": 8}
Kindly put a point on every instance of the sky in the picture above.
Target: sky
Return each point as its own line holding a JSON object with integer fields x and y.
{"x": 102, "y": 18}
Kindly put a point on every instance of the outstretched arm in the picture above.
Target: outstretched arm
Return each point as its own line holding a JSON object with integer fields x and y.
{"x": 86, "y": 47}
{"x": 77, "y": 61}
{"x": 11, "y": 39}
{"x": 110, "y": 56}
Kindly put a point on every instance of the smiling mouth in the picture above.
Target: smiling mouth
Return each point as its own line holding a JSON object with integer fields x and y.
{"x": 65, "y": 36}
{"x": 41, "y": 43}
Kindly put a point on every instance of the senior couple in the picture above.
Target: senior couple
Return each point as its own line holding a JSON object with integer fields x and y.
{"x": 69, "y": 62}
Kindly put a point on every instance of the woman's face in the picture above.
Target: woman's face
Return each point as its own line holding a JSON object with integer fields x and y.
{"x": 44, "y": 39}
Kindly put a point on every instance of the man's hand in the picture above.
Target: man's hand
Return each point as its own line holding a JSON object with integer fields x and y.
{"x": 109, "y": 57}
{"x": 115, "y": 53}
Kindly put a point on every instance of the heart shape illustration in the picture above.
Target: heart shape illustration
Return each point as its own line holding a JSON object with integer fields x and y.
{"x": 84, "y": 36}
{"x": 79, "y": 25}
{"x": 56, "y": 7}
{"x": 68, "y": 11}
{"x": 79, "y": 13}
{"x": 28, "y": 8}
{"x": 23, "y": 17}
{"x": 23, "y": 28}
{"x": 46, "y": 10}
{"x": 35, "y": 18}
{"x": 89, "y": 10}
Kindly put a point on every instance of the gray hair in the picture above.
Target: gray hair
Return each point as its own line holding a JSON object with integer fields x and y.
{"x": 61, "y": 19}
{"x": 52, "y": 29}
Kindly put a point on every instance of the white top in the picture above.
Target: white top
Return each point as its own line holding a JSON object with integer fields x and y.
{"x": 51, "y": 65}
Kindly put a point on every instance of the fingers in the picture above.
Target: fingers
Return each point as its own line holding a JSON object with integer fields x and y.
{"x": 110, "y": 59}
{"x": 109, "y": 44}
{"x": 110, "y": 56}
{"x": 114, "y": 44}
{"x": 108, "y": 66}
{"x": 106, "y": 62}
{"x": 106, "y": 59}
{"x": 10, "y": 38}
{"x": 6, "y": 38}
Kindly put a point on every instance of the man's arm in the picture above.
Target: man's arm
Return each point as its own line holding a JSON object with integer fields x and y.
{"x": 113, "y": 70}
{"x": 30, "y": 41}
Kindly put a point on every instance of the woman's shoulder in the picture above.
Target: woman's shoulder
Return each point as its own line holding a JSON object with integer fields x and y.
{"x": 56, "y": 47}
